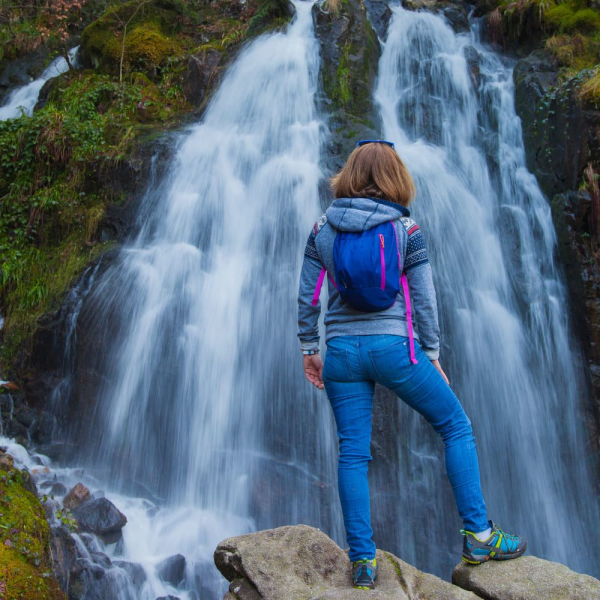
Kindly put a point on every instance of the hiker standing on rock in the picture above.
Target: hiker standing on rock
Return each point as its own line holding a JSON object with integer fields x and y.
{"x": 373, "y": 255}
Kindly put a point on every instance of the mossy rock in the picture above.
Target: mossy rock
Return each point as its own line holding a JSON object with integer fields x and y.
{"x": 147, "y": 41}
{"x": 25, "y": 558}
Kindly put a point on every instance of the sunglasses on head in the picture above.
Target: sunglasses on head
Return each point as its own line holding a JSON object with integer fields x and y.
{"x": 364, "y": 142}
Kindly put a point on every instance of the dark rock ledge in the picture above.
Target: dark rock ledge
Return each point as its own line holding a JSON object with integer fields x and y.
{"x": 302, "y": 563}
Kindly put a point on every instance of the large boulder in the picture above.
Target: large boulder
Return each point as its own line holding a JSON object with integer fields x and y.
{"x": 302, "y": 562}
{"x": 528, "y": 578}
{"x": 76, "y": 496}
{"x": 101, "y": 517}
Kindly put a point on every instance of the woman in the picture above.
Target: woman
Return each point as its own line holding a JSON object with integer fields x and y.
{"x": 364, "y": 347}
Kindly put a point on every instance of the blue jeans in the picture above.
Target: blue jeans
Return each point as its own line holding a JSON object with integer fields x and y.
{"x": 352, "y": 366}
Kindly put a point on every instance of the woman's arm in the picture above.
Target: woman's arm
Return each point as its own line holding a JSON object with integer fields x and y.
{"x": 422, "y": 292}
{"x": 308, "y": 313}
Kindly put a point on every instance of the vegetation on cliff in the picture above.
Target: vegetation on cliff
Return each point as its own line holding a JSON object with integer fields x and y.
{"x": 25, "y": 558}
{"x": 54, "y": 165}
{"x": 570, "y": 29}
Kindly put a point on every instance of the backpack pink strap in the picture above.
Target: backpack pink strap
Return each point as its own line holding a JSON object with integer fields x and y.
{"x": 411, "y": 337}
{"x": 318, "y": 287}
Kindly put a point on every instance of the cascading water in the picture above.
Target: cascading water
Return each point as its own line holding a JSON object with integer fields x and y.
{"x": 23, "y": 99}
{"x": 506, "y": 341}
{"x": 204, "y": 406}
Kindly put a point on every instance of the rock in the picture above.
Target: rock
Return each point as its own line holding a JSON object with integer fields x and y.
{"x": 102, "y": 559}
{"x": 172, "y": 569}
{"x": 380, "y": 13}
{"x": 76, "y": 496}
{"x": 98, "y": 494}
{"x": 169, "y": 597}
{"x": 7, "y": 462}
{"x": 28, "y": 482}
{"x": 58, "y": 489}
{"x": 134, "y": 570}
{"x": 64, "y": 556}
{"x": 202, "y": 73}
{"x": 457, "y": 16}
{"x": 527, "y": 578}
{"x": 101, "y": 517}
{"x": 472, "y": 58}
{"x": 302, "y": 562}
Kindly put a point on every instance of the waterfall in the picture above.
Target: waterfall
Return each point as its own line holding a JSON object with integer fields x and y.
{"x": 204, "y": 414}
{"x": 506, "y": 340}
{"x": 23, "y": 99}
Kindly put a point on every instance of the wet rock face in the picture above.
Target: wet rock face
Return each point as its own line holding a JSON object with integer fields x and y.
{"x": 561, "y": 135}
{"x": 525, "y": 578}
{"x": 302, "y": 562}
{"x": 571, "y": 216}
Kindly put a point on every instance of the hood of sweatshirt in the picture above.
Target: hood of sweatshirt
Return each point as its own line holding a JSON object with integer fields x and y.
{"x": 359, "y": 214}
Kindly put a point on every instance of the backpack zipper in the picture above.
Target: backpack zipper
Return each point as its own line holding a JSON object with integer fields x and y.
{"x": 382, "y": 256}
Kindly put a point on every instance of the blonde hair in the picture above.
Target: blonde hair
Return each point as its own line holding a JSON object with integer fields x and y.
{"x": 374, "y": 170}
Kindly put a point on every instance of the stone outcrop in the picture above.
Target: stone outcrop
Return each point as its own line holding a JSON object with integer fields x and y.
{"x": 527, "y": 578}
{"x": 349, "y": 57}
{"x": 301, "y": 562}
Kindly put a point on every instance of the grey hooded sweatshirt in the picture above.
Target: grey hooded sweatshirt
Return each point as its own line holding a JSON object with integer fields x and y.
{"x": 359, "y": 214}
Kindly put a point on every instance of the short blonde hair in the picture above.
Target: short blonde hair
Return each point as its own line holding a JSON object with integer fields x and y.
{"x": 374, "y": 170}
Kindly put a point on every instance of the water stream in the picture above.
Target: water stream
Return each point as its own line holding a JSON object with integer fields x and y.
{"x": 23, "y": 99}
{"x": 507, "y": 346}
{"x": 203, "y": 407}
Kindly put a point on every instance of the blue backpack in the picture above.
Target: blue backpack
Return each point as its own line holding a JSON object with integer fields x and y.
{"x": 367, "y": 267}
{"x": 367, "y": 271}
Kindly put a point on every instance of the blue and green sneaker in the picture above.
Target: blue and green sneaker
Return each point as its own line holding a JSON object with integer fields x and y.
{"x": 364, "y": 573}
{"x": 499, "y": 546}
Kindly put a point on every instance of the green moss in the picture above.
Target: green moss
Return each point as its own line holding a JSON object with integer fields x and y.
{"x": 142, "y": 34}
{"x": 566, "y": 18}
{"x": 25, "y": 560}
{"x": 50, "y": 200}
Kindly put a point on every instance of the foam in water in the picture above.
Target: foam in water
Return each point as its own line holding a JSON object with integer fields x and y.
{"x": 22, "y": 100}
{"x": 506, "y": 341}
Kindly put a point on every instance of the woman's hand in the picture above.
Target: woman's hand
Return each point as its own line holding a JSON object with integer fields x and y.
{"x": 436, "y": 364}
{"x": 313, "y": 370}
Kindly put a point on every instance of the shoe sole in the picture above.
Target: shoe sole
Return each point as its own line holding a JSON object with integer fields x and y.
{"x": 497, "y": 557}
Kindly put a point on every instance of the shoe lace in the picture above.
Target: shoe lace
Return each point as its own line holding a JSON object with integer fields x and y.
{"x": 508, "y": 536}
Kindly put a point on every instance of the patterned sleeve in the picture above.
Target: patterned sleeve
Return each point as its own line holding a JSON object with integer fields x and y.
{"x": 308, "y": 315}
{"x": 416, "y": 252}
{"x": 422, "y": 291}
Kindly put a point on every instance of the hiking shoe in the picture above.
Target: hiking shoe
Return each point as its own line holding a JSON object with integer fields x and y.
{"x": 499, "y": 546}
{"x": 364, "y": 573}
